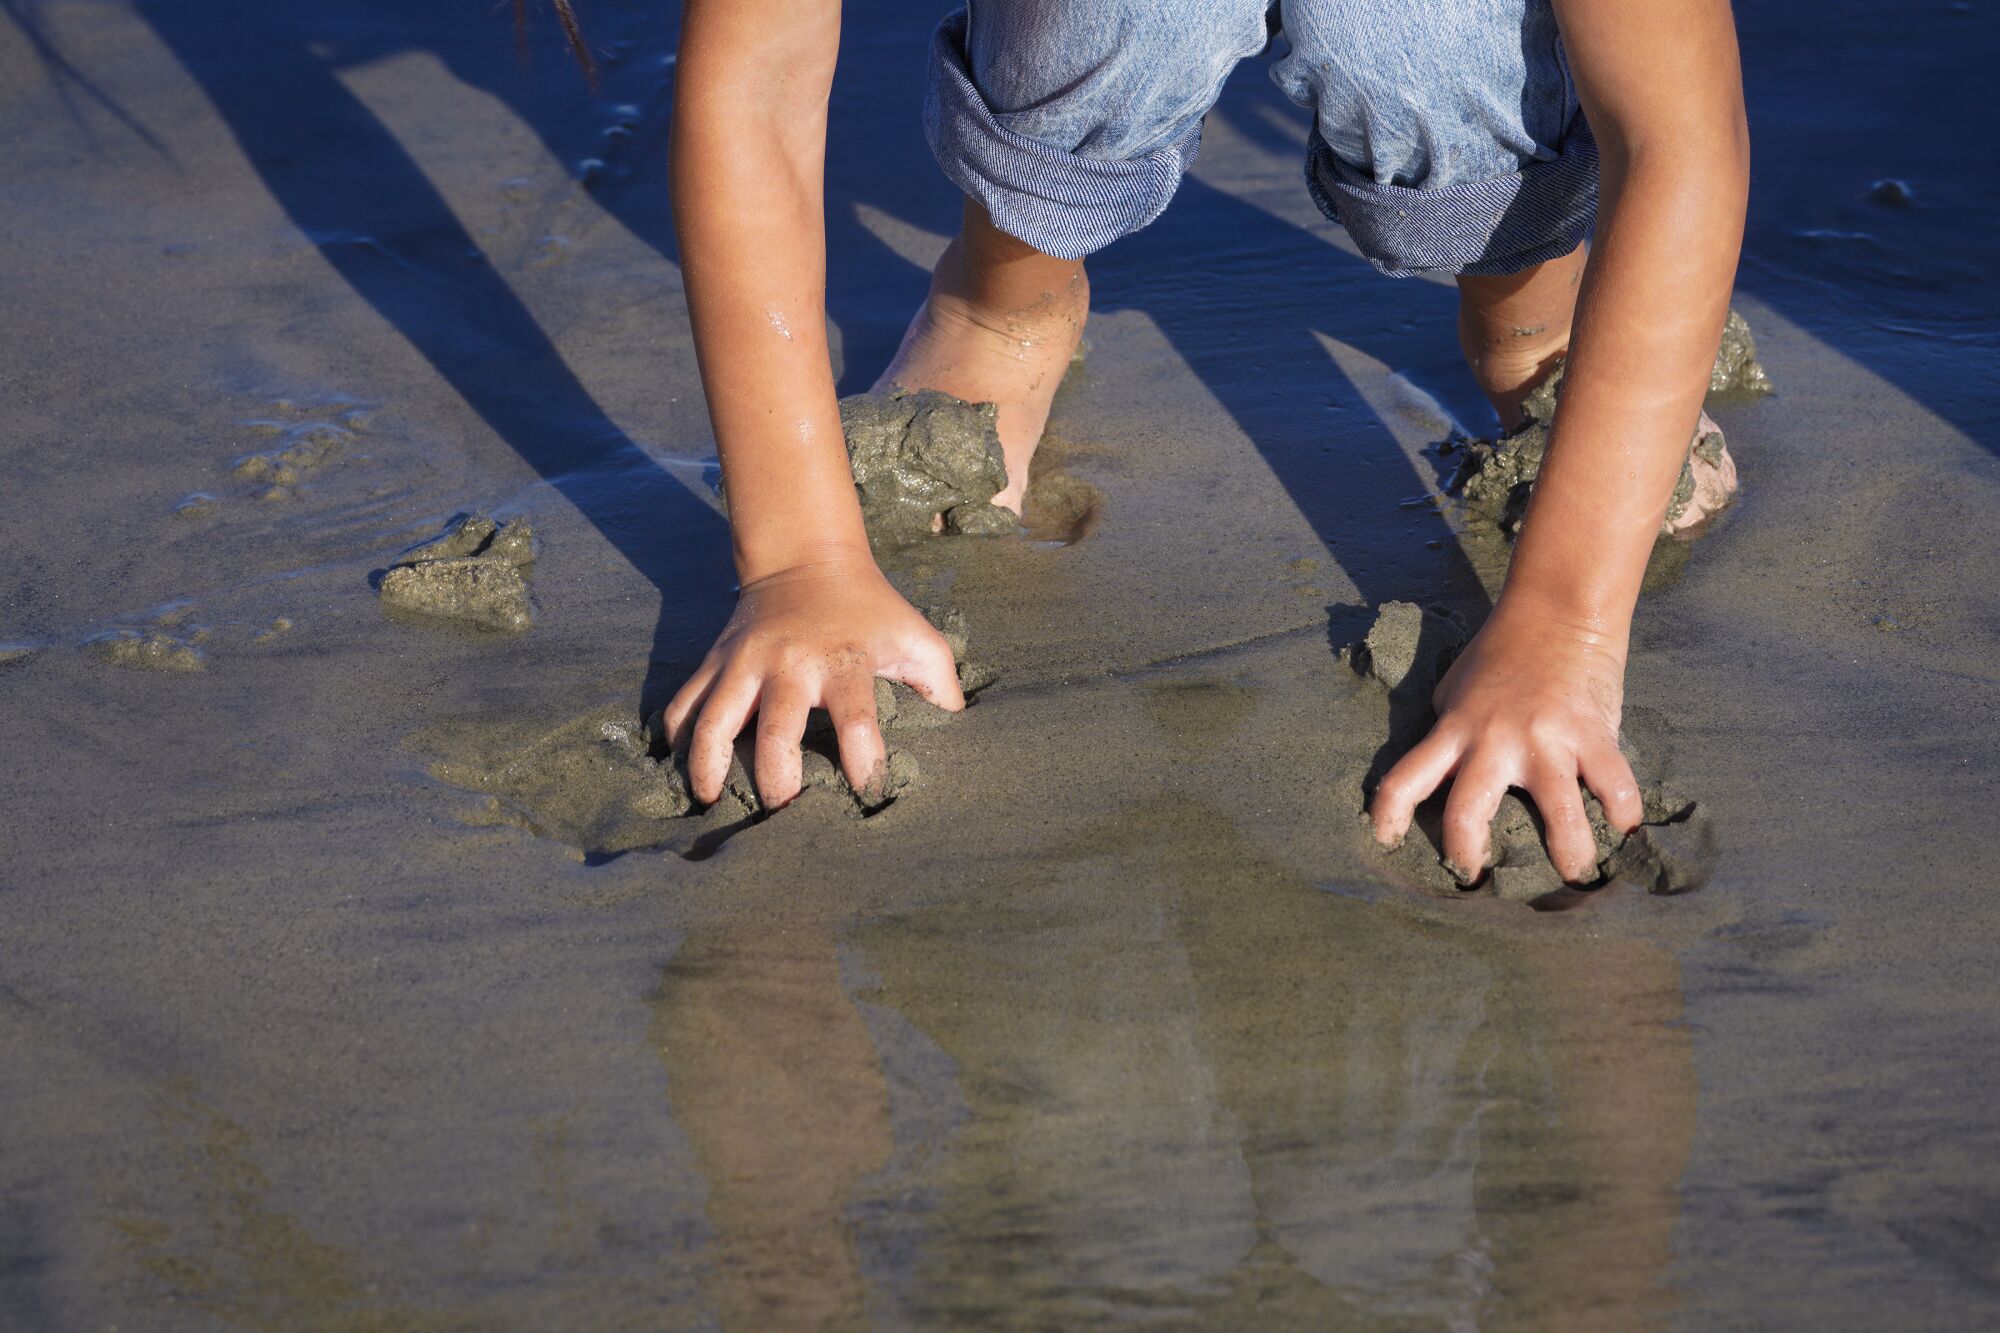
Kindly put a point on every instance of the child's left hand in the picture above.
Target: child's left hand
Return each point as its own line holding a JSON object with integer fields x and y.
{"x": 1532, "y": 703}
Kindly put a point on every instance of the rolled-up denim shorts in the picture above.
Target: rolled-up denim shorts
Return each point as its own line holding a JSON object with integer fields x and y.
{"x": 1445, "y": 137}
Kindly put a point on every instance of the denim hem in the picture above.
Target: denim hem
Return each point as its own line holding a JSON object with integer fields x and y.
{"x": 1064, "y": 205}
{"x": 1501, "y": 224}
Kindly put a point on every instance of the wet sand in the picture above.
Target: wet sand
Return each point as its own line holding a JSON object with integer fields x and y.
{"x": 1116, "y": 1015}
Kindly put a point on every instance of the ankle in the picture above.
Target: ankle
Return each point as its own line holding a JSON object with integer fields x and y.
{"x": 1514, "y": 327}
{"x": 1507, "y": 371}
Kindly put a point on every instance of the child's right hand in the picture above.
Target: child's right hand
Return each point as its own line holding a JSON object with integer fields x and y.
{"x": 811, "y": 636}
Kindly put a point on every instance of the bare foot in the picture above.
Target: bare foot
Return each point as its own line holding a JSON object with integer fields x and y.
{"x": 1515, "y": 329}
{"x": 1000, "y": 326}
{"x": 1714, "y": 474}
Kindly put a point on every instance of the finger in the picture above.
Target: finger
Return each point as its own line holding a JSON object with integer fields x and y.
{"x": 781, "y": 725}
{"x": 931, "y": 672}
{"x": 1606, "y": 772}
{"x": 687, "y": 699}
{"x": 1415, "y": 776}
{"x": 849, "y": 699}
{"x": 723, "y": 714}
{"x": 1468, "y": 814}
{"x": 1565, "y": 828}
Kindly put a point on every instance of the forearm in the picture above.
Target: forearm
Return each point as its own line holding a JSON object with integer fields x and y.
{"x": 1674, "y": 180}
{"x": 749, "y": 148}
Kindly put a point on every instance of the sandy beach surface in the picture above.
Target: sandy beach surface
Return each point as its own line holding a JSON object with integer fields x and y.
{"x": 1114, "y": 1015}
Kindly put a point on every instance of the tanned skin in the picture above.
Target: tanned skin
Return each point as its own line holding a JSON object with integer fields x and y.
{"x": 1534, "y": 701}
{"x": 1532, "y": 704}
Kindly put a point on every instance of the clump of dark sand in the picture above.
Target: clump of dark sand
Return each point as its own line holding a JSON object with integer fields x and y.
{"x": 1409, "y": 646}
{"x": 475, "y": 574}
{"x": 1737, "y": 369}
{"x": 923, "y": 459}
{"x": 592, "y": 782}
{"x": 18, "y": 650}
{"x": 1407, "y": 651}
{"x": 1496, "y": 477}
{"x": 606, "y": 782}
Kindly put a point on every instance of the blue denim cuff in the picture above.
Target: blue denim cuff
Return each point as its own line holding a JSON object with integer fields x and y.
{"x": 1501, "y": 224}
{"x": 1062, "y": 204}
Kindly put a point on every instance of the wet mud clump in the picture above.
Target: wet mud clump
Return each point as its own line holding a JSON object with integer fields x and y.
{"x": 1409, "y": 646}
{"x": 475, "y": 574}
{"x": 605, "y": 782}
{"x": 592, "y": 782}
{"x": 819, "y": 770}
{"x": 1407, "y": 651}
{"x": 925, "y": 462}
{"x": 1496, "y": 477}
{"x": 1737, "y": 369}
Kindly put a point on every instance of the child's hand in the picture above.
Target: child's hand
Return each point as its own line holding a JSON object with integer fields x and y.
{"x": 812, "y": 636}
{"x": 1532, "y": 703}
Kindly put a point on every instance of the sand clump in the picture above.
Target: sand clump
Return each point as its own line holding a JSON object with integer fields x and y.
{"x": 606, "y": 782}
{"x": 1407, "y": 651}
{"x": 476, "y": 574}
{"x": 925, "y": 461}
{"x": 1496, "y": 477}
{"x": 592, "y": 782}
{"x": 1409, "y": 648}
{"x": 1737, "y": 369}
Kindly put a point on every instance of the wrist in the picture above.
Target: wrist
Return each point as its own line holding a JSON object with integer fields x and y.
{"x": 758, "y": 561}
{"x": 1529, "y": 607}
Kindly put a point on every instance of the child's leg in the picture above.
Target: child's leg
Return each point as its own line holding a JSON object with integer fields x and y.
{"x": 1450, "y": 140}
{"x": 1514, "y": 327}
{"x": 1067, "y": 125}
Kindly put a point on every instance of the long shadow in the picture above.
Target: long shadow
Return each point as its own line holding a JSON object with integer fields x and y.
{"x": 1234, "y": 288}
{"x": 1239, "y": 292}
{"x": 349, "y": 186}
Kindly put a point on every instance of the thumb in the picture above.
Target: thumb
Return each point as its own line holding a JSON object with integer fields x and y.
{"x": 930, "y": 671}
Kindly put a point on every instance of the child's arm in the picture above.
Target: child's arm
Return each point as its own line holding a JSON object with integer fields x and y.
{"x": 1534, "y": 702}
{"x": 815, "y": 621}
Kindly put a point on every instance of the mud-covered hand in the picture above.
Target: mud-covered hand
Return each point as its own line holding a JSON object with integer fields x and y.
{"x": 1533, "y": 703}
{"x": 811, "y": 636}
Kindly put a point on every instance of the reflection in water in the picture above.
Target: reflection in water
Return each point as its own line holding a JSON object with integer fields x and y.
{"x": 1195, "y": 1089}
{"x": 774, "y": 1080}
{"x": 233, "y": 1255}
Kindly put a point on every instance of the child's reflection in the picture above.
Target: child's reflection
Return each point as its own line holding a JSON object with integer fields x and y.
{"x": 1195, "y": 1085}
{"x": 774, "y": 1080}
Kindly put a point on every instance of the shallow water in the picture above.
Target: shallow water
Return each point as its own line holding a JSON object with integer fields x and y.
{"x": 1116, "y": 1017}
